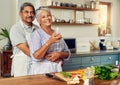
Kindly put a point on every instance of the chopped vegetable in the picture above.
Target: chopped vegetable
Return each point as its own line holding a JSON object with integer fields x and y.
{"x": 66, "y": 74}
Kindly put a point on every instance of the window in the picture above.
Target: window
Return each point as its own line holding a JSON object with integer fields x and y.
{"x": 105, "y": 13}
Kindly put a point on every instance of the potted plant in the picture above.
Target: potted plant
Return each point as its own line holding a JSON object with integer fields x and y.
{"x": 5, "y": 33}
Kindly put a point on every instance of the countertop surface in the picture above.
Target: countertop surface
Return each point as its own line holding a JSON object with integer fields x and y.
{"x": 43, "y": 80}
{"x": 97, "y": 52}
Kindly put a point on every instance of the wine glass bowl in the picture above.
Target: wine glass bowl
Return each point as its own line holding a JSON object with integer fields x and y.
{"x": 57, "y": 47}
{"x": 56, "y": 30}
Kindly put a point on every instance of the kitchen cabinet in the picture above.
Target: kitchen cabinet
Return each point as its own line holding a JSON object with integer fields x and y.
{"x": 90, "y": 61}
{"x": 5, "y": 62}
{"x": 109, "y": 59}
{"x": 119, "y": 59}
{"x": 73, "y": 15}
{"x": 72, "y": 64}
{"x": 71, "y": 67}
{"x": 80, "y": 62}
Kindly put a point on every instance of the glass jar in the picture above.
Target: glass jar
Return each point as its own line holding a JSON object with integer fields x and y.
{"x": 89, "y": 76}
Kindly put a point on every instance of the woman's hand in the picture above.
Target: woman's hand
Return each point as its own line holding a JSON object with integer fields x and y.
{"x": 53, "y": 56}
{"x": 54, "y": 38}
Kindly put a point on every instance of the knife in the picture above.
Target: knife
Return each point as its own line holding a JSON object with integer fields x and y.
{"x": 53, "y": 77}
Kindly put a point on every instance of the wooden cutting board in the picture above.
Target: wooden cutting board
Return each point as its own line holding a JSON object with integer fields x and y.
{"x": 60, "y": 76}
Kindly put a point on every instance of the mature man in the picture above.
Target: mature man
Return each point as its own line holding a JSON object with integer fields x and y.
{"x": 20, "y": 36}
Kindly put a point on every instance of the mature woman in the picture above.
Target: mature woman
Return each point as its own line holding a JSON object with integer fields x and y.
{"x": 48, "y": 48}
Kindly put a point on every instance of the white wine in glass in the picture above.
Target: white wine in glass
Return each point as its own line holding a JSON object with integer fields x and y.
{"x": 57, "y": 47}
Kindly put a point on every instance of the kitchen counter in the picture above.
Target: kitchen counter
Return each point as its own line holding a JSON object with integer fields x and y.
{"x": 98, "y": 52}
{"x": 43, "y": 80}
{"x": 93, "y": 58}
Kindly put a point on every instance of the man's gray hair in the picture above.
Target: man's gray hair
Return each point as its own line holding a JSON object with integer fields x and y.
{"x": 40, "y": 9}
{"x": 27, "y": 4}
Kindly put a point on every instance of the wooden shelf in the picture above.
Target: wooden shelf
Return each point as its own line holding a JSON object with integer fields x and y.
{"x": 65, "y": 23}
{"x": 73, "y": 8}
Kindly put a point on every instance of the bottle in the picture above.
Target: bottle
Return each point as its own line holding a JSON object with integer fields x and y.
{"x": 116, "y": 67}
{"x": 117, "y": 64}
{"x": 92, "y": 4}
{"x": 86, "y": 82}
{"x": 97, "y": 4}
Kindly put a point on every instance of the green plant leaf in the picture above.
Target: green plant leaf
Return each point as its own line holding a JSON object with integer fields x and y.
{"x": 4, "y": 33}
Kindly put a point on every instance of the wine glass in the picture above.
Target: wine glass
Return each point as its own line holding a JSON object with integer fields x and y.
{"x": 57, "y": 45}
{"x": 56, "y": 29}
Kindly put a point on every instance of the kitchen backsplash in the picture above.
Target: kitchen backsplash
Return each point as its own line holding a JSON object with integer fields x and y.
{"x": 86, "y": 44}
{"x": 79, "y": 40}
